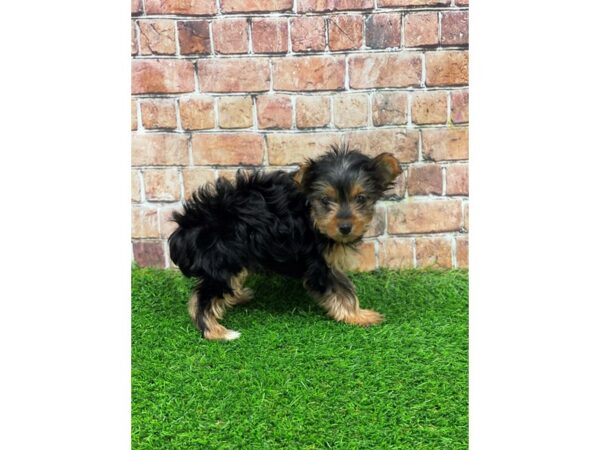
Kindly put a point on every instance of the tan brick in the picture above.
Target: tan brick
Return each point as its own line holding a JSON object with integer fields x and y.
{"x": 332, "y": 5}
{"x": 455, "y": 28}
{"x": 228, "y": 149}
{"x": 234, "y": 75}
{"x": 149, "y": 254}
{"x": 161, "y": 185}
{"x": 165, "y": 223}
{"x": 389, "y": 108}
{"x": 312, "y": 111}
{"x": 134, "y": 115}
{"x": 230, "y": 36}
{"x": 460, "y": 106}
{"x": 235, "y": 6}
{"x": 403, "y": 144}
{"x": 159, "y": 149}
{"x": 158, "y": 113}
{"x": 421, "y": 29}
{"x": 284, "y": 149}
{"x": 157, "y": 37}
{"x": 274, "y": 111}
{"x": 161, "y": 76}
{"x": 457, "y": 179}
{"x": 308, "y": 34}
{"x": 345, "y": 32}
{"x": 396, "y": 254}
{"x": 350, "y": 110}
{"x": 384, "y": 70}
{"x": 136, "y": 7}
{"x": 134, "y": 44}
{"x": 308, "y": 73}
{"x": 447, "y": 68}
{"x": 136, "y": 189}
{"x": 442, "y": 144}
{"x": 270, "y": 35}
{"x": 434, "y": 252}
{"x": 465, "y": 217}
{"x": 462, "y": 252}
{"x": 425, "y": 179}
{"x": 235, "y": 112}
{"x": 194, "y": 37}
{"x": 194, "y": 177}
{"x": 391, "y": 3}
{"x": 182, "y": 7}
{"x": 462, "y": 2}
{"x": 197, "y": 113}
{"x": 366, "y": 260}
{"x": 429, "y": 107}
{"x": 144, "y": 222}
{"x": 383, "y": 30}
{"x": 229, "y": 174}
{"x": 399, "y": 188}
{"x": 424, "y": 216}
{"x": 377, "y": 225}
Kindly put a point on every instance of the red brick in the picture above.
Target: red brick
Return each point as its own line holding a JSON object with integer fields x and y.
{"x": 227, "y": 149}
{"x": 166, "y": 225}
{"x": 385, "y": 70}
{"x": 333, "y": 5}
{"x": 366, "y": 260}
{"x": 194, "y": 177}
{"x": 149, "y": 254}
{"x": 429, "y": 107}
{"x": 462, "y": 252}
{"x": 308, "y": 34}
{"x": 465, "y": 226}
{"x": 285, "y": 149}
{"x": 312, "y": 111}
{"x": 424, "y": 216}
{"x": 230, "y": 36}
{"x": 194, "y": 37}
{"x": 399, "y": 187}
{"x": 457, "y": 179}
{"x": 235, "y": 112}
{"x": 425, "y": 179}
{"x": 443, "y": 144}
{"x": 134, "y": 45}
{"x": 434, "y": 252}
{"x": 383, "y": 30}
{"x": 421, "y": 29}
{"x": 134, "y": 115}
{"x": 270, "y": 35}
{"x": 274, "y": 111}
{"x": 396, "y": 254}
{"x": 234, "y": 75}
{"x": 161, "y": 185}
{"x": 197, "y": 113}
{"x": 182, "y": 7}
{"x": 462, "y": 2}
{"x": 460, "y": 106}
{"x": 455, "y": 28}
{"x": 377, "y": 225}
{"x": 308, "y": 73}
{"x": 389, "y": 108}
{"x": 157, "y": 37}
{"x": 159, "y": 149}
{"x": 136, "y": 189}
{"x": 144, "y": 222}
{"x": 158, "y": 113}
{"x": 389, "y": 3}
{"x": 161, "y": 76}
{"x": 234, "y": 6}
{"x": 350, "y": 110}
{"x": 447, "y": 68}
{"x": 136, "y": 7}
{"x": 345, "y": 32}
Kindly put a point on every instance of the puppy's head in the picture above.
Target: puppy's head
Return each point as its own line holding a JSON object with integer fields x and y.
{"x": 342, "y": 187}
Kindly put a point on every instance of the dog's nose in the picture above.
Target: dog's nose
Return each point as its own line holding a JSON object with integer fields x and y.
{"x": 345, "y": 228}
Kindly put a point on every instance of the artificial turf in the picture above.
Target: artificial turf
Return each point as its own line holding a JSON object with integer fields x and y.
{"x": 296, "y": 379}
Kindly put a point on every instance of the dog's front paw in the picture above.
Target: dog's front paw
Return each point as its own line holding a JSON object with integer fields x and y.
{"x": 365, "y": 318}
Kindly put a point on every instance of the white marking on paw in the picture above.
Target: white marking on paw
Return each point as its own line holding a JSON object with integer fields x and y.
{"x": 231, "y": 335}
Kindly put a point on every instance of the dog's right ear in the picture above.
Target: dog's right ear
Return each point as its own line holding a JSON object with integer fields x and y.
{"x": 299, "y": 176}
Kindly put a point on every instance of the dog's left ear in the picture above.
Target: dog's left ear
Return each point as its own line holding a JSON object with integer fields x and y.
{"x": 387, "y": 168}
{"x": 299, "y": 177}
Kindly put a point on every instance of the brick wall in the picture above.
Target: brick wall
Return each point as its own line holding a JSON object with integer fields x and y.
{"x": 223, "y": 84}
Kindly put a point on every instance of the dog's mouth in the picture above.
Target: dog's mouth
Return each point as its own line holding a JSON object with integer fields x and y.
{"x": 346, "y": 238}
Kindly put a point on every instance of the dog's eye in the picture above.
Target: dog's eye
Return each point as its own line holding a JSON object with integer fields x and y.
{"x": 360, "y": 198}
{"x": 325, "y": 200}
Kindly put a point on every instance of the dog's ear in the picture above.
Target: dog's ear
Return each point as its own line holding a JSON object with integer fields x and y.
{"x": 387, "y": 168}
{"x": 299, "y": 176}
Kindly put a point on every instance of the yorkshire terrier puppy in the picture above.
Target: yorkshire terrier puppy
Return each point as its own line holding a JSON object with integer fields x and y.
{"x": 302, "y": 224}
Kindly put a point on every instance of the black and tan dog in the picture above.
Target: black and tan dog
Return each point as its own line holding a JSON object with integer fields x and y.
{"x": 304, "y": 224}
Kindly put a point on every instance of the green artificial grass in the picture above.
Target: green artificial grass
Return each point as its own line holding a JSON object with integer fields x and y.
{"x": 296, "y": 379}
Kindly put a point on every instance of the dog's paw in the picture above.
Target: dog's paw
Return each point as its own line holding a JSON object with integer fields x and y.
{"x": 365, "y": 318}
{"x": 244, "y": 296}
{"x": 221, "y": 334}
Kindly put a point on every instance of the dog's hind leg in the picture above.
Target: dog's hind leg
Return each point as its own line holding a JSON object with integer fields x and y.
{"x": 241, "y": 294}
